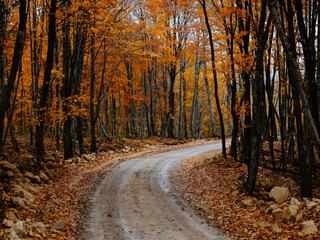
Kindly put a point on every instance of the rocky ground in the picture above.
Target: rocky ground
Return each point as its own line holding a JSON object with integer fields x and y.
{"x": 212, "y": 185}
{"x": 49, "y": 203}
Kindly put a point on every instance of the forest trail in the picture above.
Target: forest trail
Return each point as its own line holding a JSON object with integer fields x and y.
{"x": 135, "y": 201}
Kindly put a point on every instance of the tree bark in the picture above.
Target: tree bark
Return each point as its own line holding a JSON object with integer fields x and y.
{"x": 224, "y": 151}
{"x": 92, "y": 84}
{"x": 256, "y": 103}
{"x": 40, "y": 149}
{"x": 16, "y": 59}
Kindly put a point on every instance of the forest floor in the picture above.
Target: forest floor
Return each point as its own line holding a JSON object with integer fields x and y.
{"x": 55, "y": 206}
{"x": 213, "y": 186}
{"x": 209, "y": 183}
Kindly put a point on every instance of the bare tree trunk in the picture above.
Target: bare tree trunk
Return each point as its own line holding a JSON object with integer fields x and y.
{"x": 92, "y": 84}
{"x": 212, "y": 121}
{"x": 215, "y": 79}
{"x": 3, "y": 29}
{"x": 66, "y": 91}
{"x": 257, "y": 100}
{"x": 46, "y": 83}
{"x": 297, "y": 78}
{"x": 194, "y": 120}
{"x": 171, "y": 113}
{"x": 17, "y": 55}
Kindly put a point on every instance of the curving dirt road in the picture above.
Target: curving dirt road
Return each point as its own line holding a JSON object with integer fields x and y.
{"x": 135, "y": 201}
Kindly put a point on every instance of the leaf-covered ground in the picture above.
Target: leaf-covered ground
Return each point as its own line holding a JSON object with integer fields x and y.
{"x": 66, "y": 199}
{"x": 212, "y": 185}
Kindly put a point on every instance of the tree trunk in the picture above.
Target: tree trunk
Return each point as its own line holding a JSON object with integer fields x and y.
{"x": 212, "y": 121}
{"x": 17, "y": 55}
{"x": 40, "y": 150}
{"x": 297, "y": 77}
{"x": 256, "y": 104}
{"x": 171, "y": 113}
{"x": 66, "y": 92}
{"x": 92, "y": 84}
{"x": 224, "y": 151}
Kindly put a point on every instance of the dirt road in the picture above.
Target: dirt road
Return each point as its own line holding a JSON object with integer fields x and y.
{"x": 135, "y": 201}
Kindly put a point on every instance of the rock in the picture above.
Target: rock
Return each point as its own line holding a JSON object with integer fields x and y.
{"x": 8, "y": 234}
{"x": 316, "y": 200}
{"x": 234, "y": 193}
{"x": 295, "y": 202}
{"x": 18, "y": 228}
{"x": 6, "y": 197}
{"x": 247, "y": 202}
{"x": 298, "y": 217}
{"x": 275, "y": 228}
{"x": 28, "y": 187}
{"x": 277, "y": 215}
{"x": 87, "y": 157}
{"x": 43, "y": 176}
{"x": 271, "y": 208}
{"x": 18, "y": 201}
{"x": 10, "y": 167}
{"x": 19, "y": 191}
{"x": 7, "y": 223}
{"x": 308, "y": 227}
{"x": 10, "y": 174}
{"x": 68, "y": 161}
{"x": 32, "y": 177}
{"x": 26, "y": 180}
{"x": 58, "y": 225}
{"x": 12, "y": 214}
{"x": 279, "y": 194}
{"x": 37, "y": 228}
{"x": 290, "y": 213}
{"x": 311, "y": 205}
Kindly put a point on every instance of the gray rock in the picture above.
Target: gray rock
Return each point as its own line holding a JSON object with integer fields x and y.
{"x": 19, "y": 230}
{"x": 279, "y": 194}
{"x": 295, "y": 202}
{"x": 290, "y": 213}
{"x": 309, "y": 227}
{"x": 10, "y": 174}
{"x": 10, "y": 167}
{"x": 19, "y": 191}
{"x": 271, "y": 208}
{"x": 277, "y": 215}
{"x": 18, "y": 201}
{"x": 8, "y": 234}
{"x": 12, "y": 214}
{"x": 37, "y": 228}
{"x": 32, "y": 177}
{"x": 58, "y": 225}
{"x": 276, "y": 228}
{"x": 311, "y": 205}
{"x": 7, "y": 223}
{"x": 247, "y": 202}
{"x": 43, "y": 176}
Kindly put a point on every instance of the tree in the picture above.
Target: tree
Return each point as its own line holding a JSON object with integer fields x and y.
{"x": 16, "y": 59}
{"x": 214, "y": 71}
{"x": 46, "y": 83}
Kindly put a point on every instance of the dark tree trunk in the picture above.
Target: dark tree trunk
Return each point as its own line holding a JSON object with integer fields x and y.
{"x": 256, "y": 104}
{"x": 40, "y": 150}
{"x": 93, "y": 146}
{"x": 224, "y": 151}
{"x": 66, "y": 92}
{"x": 171, "y": 113}
{"x": 17, "y": 55}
